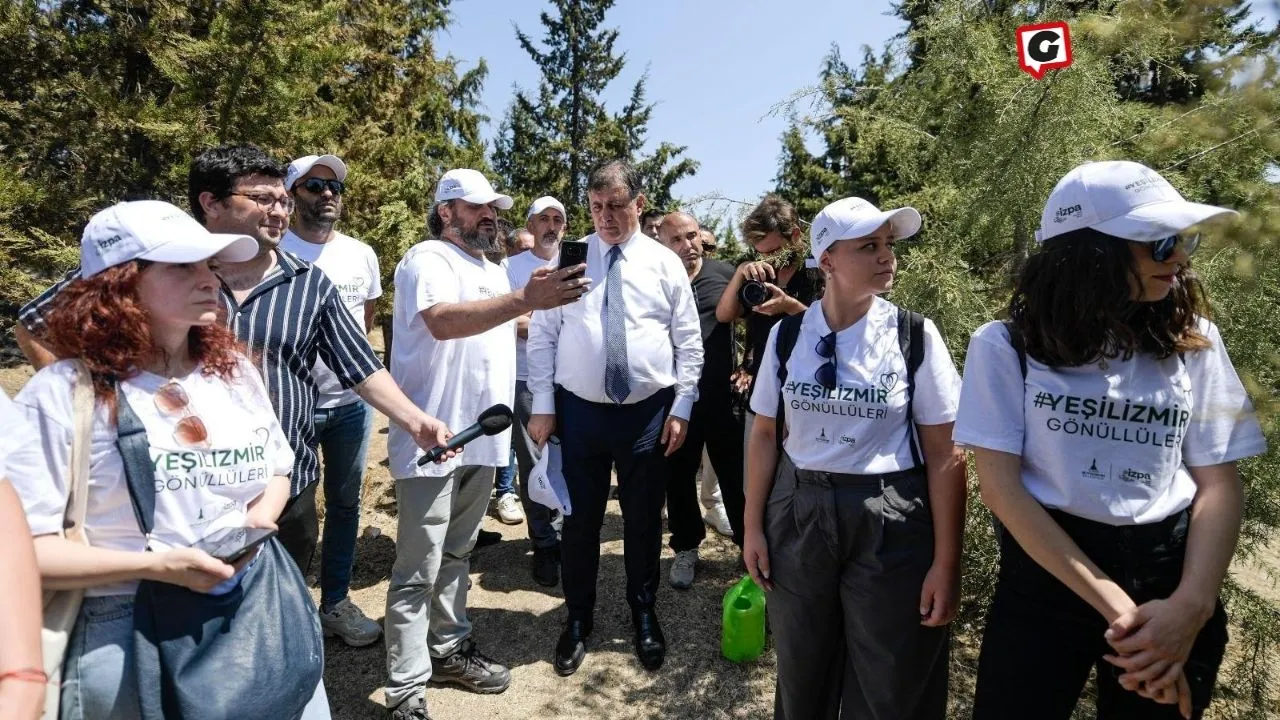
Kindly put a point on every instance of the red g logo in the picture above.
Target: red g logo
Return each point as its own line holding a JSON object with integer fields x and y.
{"x": 1044, "y": 47}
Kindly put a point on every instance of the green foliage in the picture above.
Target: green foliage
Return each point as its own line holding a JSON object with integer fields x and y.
{"x": 956, "y": 130}
{"x": 108, "y": 101}
{"x": 548, "y": 143}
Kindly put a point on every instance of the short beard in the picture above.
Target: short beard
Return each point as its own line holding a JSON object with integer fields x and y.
{"x": 308, "y": 214}
{"x": 473, "y": 239}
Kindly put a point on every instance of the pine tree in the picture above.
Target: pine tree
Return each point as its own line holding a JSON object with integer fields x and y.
{"x": 103, "y": 102}
{"x": 810, "y": 181}
{"x": 548, "y": 143}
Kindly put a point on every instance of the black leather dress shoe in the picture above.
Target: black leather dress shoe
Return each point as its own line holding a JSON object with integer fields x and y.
{"x": 651, "y": 645}
{"x": 572, "y": 647}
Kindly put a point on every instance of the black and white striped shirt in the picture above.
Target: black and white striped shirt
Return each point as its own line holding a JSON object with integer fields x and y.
{"x": 292, "y": 316}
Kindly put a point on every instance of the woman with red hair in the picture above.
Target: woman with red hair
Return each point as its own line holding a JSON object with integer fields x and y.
{"x": 143, "y": 319}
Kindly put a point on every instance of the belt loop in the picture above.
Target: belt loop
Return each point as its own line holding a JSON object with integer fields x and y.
{"x": 881, "y": 479}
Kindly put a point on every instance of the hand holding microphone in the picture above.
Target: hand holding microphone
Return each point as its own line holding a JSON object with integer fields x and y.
{"x": 491, "y": 422}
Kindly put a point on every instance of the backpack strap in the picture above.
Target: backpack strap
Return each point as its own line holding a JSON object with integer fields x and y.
{"x": 788, "y": 333}
{"x": 911, "y": 345}
{"x": 135, "y": 450}
{"x": 1019, "y": 345}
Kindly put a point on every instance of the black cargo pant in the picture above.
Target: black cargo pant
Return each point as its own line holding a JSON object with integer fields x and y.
{"x": 1042, "y": 639}
{"x": 848, "y": 556}
{"x": 711, "y": 425}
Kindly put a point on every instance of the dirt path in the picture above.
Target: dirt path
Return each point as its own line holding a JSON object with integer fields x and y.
{"x": 517, "y": 622}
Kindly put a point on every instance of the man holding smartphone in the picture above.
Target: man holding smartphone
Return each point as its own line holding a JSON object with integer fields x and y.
{"x": 454, "y": 352}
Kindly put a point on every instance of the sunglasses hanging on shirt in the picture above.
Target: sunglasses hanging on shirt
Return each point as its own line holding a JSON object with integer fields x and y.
{"x": 1164, "y": 248}
{"x": 826, "y": 372}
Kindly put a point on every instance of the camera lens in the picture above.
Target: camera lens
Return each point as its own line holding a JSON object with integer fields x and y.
{"x": 753, "y": 293}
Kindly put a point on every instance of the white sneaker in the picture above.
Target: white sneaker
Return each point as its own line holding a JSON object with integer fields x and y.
{"x": 509, "y": 510}
{"x": 717, "y": 519}
{"x": 347, "y": 622}
{"x": 682, "y": 569}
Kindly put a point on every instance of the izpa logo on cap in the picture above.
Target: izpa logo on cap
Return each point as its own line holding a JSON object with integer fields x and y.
{"x": 107, "y": 243}
{"x": 1064, "y": 214}
{"x": 450, "y": 185}
{"x": 822, "y": 233}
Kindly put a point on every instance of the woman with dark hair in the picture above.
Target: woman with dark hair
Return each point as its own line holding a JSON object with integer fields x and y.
{"x": 1106, "y": 420}
{"x": 855, "y": 491}
{"x": 143, "y": 321}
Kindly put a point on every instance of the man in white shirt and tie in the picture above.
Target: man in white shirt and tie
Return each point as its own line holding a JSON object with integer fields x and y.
{"x": 615, "y": 376}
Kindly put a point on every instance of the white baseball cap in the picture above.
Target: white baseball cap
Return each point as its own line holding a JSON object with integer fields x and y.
{"x": 546, "y": 480}
{"x": 303, "y": 165}
{"x": 470, "y": 186}
{"x": 854, "y": 217}
{"x": 156, "y": 231}
{"x": 1121, "y": 198}
{"x": 544, "y": 202}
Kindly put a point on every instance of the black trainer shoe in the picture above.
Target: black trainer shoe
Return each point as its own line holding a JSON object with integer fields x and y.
{"x": 546, "y": 566}
{"x": 415, "y": 708}
{"x": 469, "y": 669}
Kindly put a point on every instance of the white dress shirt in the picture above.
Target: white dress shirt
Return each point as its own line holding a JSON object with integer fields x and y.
{"x": 664, "y": 339}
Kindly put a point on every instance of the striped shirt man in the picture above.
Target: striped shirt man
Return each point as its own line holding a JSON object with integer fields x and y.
{"x": 294, "y": 315}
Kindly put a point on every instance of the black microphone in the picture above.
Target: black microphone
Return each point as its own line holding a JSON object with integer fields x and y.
{"x": 491, "y": 422}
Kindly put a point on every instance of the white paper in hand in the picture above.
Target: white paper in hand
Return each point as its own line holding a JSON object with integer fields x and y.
{"x": 546, "y": 481}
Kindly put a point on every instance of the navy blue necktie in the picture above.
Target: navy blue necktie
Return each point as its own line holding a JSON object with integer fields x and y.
{"x": 617, "y": 374}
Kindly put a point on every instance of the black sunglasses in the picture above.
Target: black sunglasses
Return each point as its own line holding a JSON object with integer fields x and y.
{"x": 315, "y": 186}
{"x": 1163, "y": 248}
{"x": 826, "y": 372}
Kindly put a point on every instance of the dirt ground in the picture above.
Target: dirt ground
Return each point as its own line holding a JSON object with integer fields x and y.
{"x": 517, "y": 622}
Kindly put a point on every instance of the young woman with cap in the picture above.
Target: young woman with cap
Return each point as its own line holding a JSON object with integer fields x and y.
{"x": 1106, "y": 420}
{"x": 855, "y": 494}
{"x": 143, "y": 320}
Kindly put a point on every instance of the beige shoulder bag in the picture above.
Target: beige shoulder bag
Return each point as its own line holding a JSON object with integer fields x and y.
{"x": 62, "y": 607}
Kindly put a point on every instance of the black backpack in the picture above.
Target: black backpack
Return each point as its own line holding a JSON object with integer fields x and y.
{"x": 910, "y": 344}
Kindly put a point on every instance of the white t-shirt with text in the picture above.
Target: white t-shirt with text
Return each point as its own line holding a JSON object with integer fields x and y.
{"x": 860, "y": 427}
{"x": 1111, "y": 441}
{"x": 519, "y": 269}
{"x": 453, "y": 380}
{"x": 352, "y": 267}
{"x": 198, "y": 490}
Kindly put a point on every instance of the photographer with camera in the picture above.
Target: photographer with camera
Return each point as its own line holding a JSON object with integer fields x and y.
{"x": 773, "y": 286}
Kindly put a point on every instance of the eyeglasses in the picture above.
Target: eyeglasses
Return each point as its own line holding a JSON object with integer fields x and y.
{"x": 189, "y": 431}
{"x": 826, "y": 372}
{"x": 1163, "y": 248}
{"x": 266, "y": 201}
{"x": 315, "y": 186}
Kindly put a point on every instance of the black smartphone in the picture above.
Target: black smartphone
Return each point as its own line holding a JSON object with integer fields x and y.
{"x": 572, "y": 252}
{"x": 234, "y": 543}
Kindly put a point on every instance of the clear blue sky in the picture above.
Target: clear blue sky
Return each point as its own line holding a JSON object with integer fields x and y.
{"x": 716, "y": 68}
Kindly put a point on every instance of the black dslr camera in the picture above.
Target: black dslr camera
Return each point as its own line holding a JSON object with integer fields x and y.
{"x": 753, "y": 293}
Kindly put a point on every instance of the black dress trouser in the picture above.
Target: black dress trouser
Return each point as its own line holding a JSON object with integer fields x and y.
{"x": 595, "y": 437}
